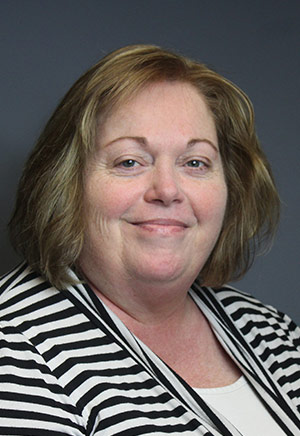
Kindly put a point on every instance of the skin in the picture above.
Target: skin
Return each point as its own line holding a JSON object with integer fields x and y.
{"x": 155, "y": 198}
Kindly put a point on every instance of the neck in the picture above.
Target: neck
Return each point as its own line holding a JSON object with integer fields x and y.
{"x": 158, "y": 325}
{"x": 145, "y": 304}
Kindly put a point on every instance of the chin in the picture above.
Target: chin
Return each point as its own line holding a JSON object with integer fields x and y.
{"x": 162, "y": 272}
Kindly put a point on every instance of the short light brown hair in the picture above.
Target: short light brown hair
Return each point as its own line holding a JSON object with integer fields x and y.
{"x": 47, "y": 226}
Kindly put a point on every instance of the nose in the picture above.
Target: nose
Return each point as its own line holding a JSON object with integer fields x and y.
{"x": 164, "y": 187}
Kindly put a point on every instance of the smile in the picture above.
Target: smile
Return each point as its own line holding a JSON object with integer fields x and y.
{"x": 161, "y": 226}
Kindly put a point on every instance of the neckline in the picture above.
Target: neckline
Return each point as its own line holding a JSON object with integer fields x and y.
{"x": 239, "y": 383}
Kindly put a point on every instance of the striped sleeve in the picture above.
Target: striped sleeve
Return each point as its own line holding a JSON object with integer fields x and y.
{"x": 31, "y": 400}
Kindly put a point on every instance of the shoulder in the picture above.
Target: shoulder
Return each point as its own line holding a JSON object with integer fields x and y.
{"x": 243, "y": 306}
{"x": 22, "y": 283}
{"x": 239, "y": 303}
{"x": 251, "y": 317}
{"x": 29, "y": 305}
{"x": 20, "y": 277}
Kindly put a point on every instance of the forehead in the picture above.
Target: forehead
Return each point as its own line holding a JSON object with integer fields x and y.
{"x": 163, "y": 104}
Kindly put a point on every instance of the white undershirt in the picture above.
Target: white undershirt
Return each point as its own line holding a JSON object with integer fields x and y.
{"x": 240, "y": 405}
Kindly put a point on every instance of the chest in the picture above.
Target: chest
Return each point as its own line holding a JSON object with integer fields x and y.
{"x": 193, "y": 352}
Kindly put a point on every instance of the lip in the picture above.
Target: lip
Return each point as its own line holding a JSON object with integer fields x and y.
{"x": 161, "y": 222}
{"x": 161, "y": 226}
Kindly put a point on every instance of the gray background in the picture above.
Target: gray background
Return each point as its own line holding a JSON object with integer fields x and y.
{"x": 46, "y": 45}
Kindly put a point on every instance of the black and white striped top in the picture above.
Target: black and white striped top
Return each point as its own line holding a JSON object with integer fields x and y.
{"x": 68, "y": 366}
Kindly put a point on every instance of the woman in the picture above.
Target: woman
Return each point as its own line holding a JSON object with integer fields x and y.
{"x": 145, "y": 194}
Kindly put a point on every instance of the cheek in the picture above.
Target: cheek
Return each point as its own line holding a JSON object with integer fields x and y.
{"x": 109, "y": 200}
{"x": 211, "y": 204}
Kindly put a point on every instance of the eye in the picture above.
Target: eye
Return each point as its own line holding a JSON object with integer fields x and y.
{"x": 128, "y": 163}
{"x": 196, "y": 163}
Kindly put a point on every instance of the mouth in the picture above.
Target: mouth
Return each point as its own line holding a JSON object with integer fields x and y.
{"x": 161, "y": 222}
{"x": 161, "y": 226}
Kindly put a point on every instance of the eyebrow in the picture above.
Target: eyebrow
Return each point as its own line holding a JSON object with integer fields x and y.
{"x": 141, "y": 140}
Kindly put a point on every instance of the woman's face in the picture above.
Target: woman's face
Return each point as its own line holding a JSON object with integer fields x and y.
{"x": 155, "y": 193}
